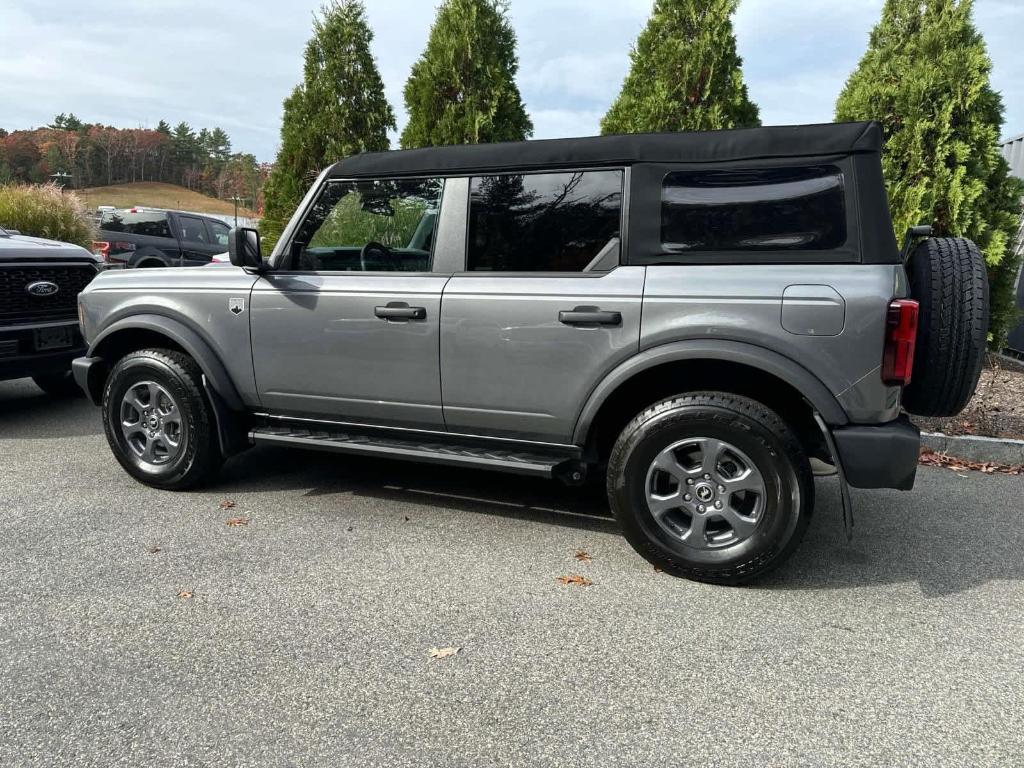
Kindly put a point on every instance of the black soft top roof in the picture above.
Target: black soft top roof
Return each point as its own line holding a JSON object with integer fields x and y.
{"x": 690, "y": 147}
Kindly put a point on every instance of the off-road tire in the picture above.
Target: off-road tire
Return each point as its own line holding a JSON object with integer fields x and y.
{"x": 949, "y": 280}
{"x": 58, "y": 384}
{"x": 745, "y": 423}
{"x": 179, "y": 374}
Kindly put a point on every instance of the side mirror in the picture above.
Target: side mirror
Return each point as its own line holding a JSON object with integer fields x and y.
{"x": 244, "y": 248}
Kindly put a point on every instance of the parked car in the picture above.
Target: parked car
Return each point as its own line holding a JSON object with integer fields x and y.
{"x": 692, "y": 316}
{"x": 39, "y": 284}
{"x": 153, "y": 237}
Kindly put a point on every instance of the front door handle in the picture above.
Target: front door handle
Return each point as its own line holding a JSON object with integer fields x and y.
{"x": 399, "y": 310}
{"x": 589, "y": 316}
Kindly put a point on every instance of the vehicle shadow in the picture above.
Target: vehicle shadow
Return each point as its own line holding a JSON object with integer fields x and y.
{"x": 28, "y": 412}
{"x": 950, "y": 535}
{"x": 480, "y": 492}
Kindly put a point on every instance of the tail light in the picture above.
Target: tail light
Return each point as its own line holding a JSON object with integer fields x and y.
{"x": 900, "y": 341}
{"x": 102, "y": 249}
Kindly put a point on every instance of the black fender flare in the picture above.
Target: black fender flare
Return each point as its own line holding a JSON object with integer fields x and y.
{"x": 789, "y": 371}
{"x": 216, "y": 374}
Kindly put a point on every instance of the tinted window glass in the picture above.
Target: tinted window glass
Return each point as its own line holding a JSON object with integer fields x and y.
{"x": 192, "y": 229}
{"x": 767, "y": 209}
{"x": 370, "y": 226}
{"x": 550, "y": 222}
{"x": 148, "y": 223}
{"x": 219, "y": 232}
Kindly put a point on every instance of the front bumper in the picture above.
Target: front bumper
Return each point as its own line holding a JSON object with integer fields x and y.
{"x": 879, "y": 456}
{"x": 19, "y": 358}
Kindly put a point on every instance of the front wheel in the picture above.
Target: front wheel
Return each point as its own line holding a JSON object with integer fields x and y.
{"x": 711, "y": 486}
{"x": 157, "y": 420}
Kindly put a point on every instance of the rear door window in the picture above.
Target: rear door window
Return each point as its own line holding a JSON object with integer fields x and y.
{"x": 544, "y": 222}
{"x": 145, "y": 223}
{"x": 760, "y": 209}
{"x": 218, "y": 232}
{"x": 192, "y": 229}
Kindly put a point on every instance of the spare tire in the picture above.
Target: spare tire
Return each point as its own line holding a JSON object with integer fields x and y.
{"x": 949, "y": 280}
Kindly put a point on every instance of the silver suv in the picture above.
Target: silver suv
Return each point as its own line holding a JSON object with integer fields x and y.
{"x": 700, "y": 318}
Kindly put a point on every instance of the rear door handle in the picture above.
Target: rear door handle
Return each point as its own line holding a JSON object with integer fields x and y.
{"x": 589, "y": 316}
{"x": 400, "y": 311}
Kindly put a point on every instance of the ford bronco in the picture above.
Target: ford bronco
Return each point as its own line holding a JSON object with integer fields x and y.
{"x": 699, "y": 318}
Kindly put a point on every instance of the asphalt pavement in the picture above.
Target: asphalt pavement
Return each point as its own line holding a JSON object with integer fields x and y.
{"x": 306, "y": 637}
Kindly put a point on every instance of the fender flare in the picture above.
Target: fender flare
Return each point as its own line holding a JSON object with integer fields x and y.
{"x": 216, "y": 374}
{"x": 794, "y": 374}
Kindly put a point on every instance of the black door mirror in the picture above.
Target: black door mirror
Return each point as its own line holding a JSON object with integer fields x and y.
{"x": 244, "y": 248}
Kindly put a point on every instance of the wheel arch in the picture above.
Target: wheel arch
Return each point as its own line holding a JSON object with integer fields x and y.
{"x": 141, "y": 331}
{"x": 701, "y": 364}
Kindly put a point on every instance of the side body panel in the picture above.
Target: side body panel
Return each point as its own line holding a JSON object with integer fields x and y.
{"x": 200, "y": 299}
{"x": 510, "y": 367}
{"x": 836, "y": 315}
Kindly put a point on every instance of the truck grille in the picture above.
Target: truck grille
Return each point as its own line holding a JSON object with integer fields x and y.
{"x": 18, "y": 306}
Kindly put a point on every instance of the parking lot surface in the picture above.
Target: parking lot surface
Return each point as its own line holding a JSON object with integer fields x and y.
{"x": 306, "y": 639}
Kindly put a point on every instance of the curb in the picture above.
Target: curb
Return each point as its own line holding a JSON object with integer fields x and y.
{"x": 994, "y": 450}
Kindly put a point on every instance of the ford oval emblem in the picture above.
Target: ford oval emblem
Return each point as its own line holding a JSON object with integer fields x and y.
{"x": 42, "y": 288}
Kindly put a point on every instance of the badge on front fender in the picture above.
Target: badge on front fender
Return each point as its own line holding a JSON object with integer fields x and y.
{"x": 236, "y": 306}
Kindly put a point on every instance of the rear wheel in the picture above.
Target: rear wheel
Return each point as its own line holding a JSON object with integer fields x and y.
{"x": 158, "y": 422}
{"x": 711, "y": 486}
{"x": 58, "y": 384}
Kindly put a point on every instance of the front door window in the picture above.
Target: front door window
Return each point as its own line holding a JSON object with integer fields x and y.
{"x": 370, "y": 226}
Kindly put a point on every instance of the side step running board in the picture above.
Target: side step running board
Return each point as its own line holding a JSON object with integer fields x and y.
{"x": 503, "y": 457}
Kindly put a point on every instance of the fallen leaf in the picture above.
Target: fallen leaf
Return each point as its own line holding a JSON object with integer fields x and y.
{"x": 583, "y": 556}
{"x": 443, "y": 653}
{"x": 944, "y": 460}
{"x": 234, "y": 522}
{"x": 186, "y": 593}
{"x": 227, "y": 504}
{"x": 153, "y": 550}
{"x": 575, "y": 580}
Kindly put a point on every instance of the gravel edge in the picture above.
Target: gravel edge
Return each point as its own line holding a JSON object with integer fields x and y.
{"x": 995, "y": 450}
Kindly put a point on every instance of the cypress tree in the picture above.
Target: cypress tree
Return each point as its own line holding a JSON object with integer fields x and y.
{"x": 685, "y": 73}
{"x": 926, "y": 78}
{"x": 339, "y": 109}
{"x": 462, "y": 90}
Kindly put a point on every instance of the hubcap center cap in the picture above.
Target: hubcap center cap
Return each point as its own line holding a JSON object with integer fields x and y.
{"x": 704, "y": 493}
{"x": 154, "y": 422}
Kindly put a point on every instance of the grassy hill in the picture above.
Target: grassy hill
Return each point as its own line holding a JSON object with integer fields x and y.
{"x": 158, "y": 195}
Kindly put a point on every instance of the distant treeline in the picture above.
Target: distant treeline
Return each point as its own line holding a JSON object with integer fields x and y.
{"x": 97, "y": 155}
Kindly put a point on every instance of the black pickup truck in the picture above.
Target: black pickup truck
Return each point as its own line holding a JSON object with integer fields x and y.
{"x": 39, "y": 285}
{"x": 152, "y": 237}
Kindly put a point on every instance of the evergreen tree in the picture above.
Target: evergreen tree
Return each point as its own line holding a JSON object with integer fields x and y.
{"x": 925, "y": 77}
{"x": 462, "y": 90}
{"x": 339, "y": 109}
{"x": 685, "y": 73}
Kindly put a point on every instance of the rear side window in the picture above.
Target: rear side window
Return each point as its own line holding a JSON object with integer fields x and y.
{"x": 218, "y": 231}
{"x": 762, "y": 209}
{"x": 147, "y": 223}
{"x": 192, "y": 229}
{"x": 545, "y": 222}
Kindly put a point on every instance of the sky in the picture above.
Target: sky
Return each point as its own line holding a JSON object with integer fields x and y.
{"x": 232, "y": 63}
